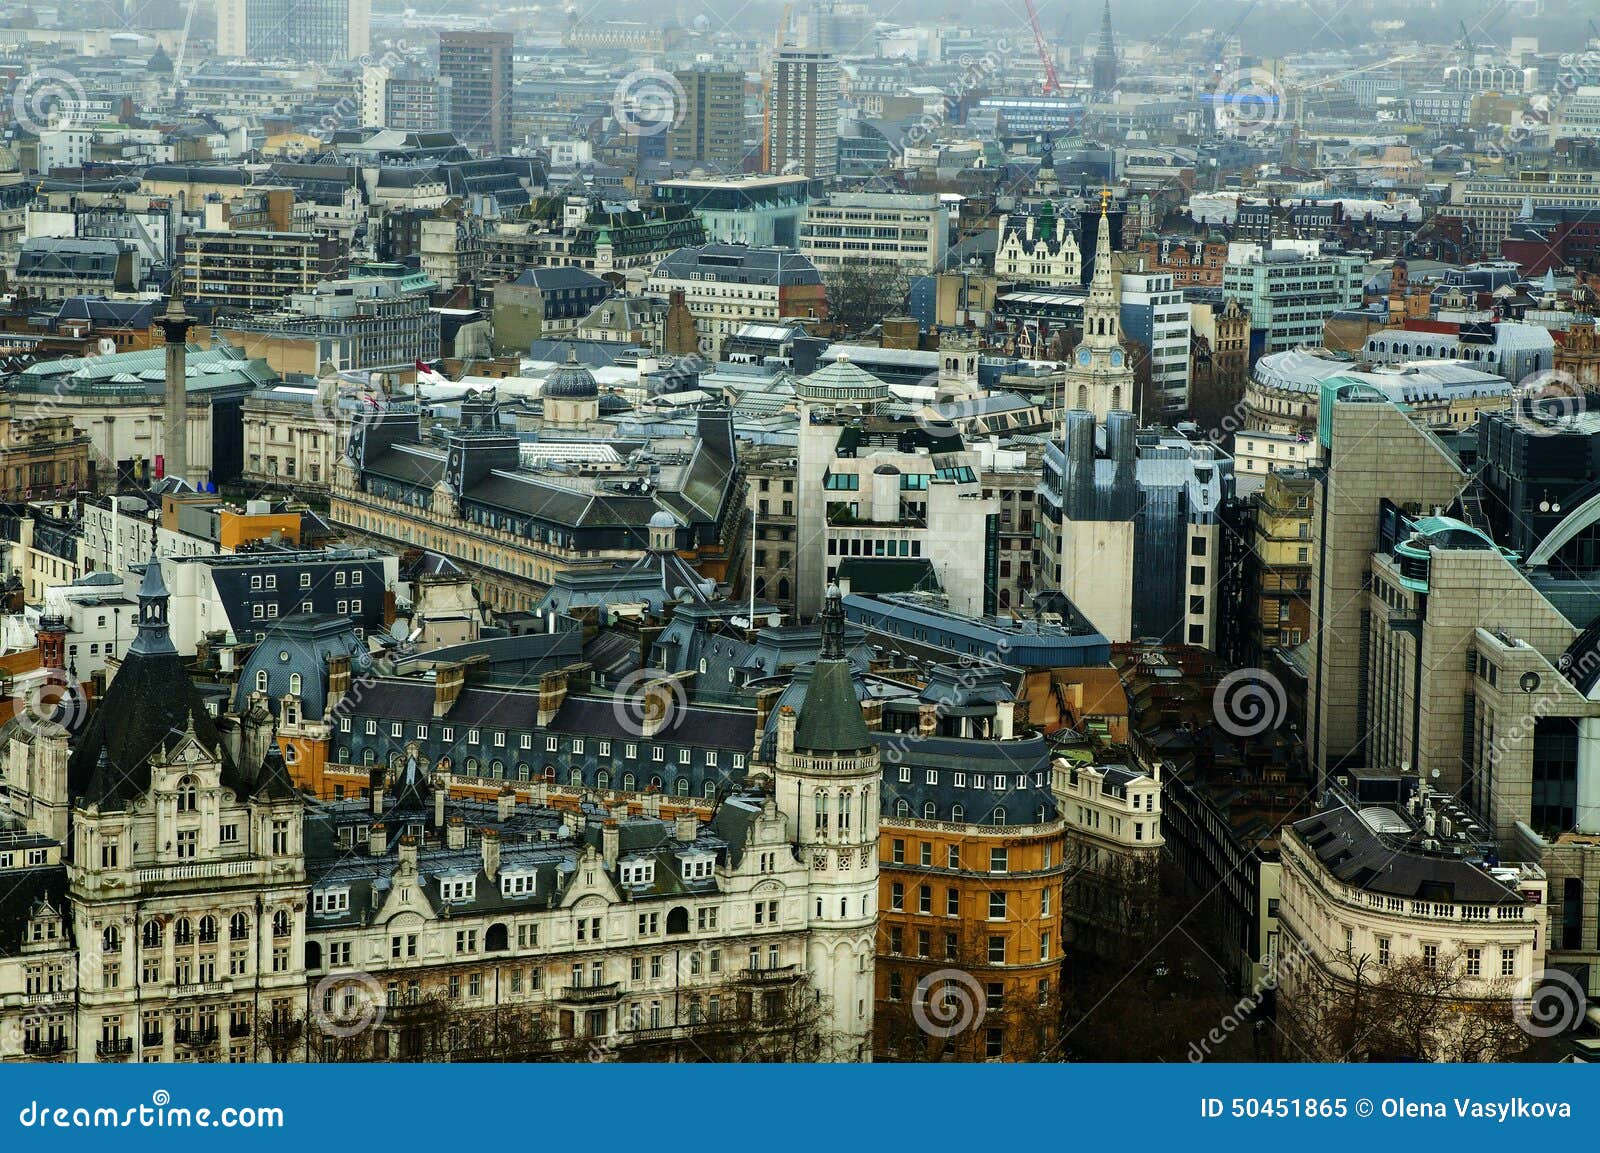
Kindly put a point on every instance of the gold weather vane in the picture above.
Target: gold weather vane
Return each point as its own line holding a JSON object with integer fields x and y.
{"x": 1105, "y": 199}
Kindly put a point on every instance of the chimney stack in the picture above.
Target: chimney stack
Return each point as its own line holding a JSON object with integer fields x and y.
{"x": 610, "y": 843}
{"x": 489, "y": 840}
{"x": 456, "y": 834}
{"x": 377, "y": 840}
{"x": 505, "y": 804}
{"x": 448, "y": 681}
{"x": 786, "y": 723}
{"x": 688, "y": 826}
{"x": 408, "y": 854}
{"x": 375, "y": 789}
{"x": 440, "y": 796}
{"x": 338, "y": 678}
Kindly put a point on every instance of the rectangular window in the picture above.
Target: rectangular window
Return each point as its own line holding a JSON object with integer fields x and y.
{"x": 997, "y": 906}
{"x": 998, "y": 859}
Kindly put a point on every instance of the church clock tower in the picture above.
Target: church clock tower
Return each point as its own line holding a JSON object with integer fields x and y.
{"x": 1100, "y": 379}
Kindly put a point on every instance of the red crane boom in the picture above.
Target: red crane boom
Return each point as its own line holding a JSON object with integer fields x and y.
{"x": 1052, "y": 83}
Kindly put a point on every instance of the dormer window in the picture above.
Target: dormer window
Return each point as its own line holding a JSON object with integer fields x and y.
{"x": 697, "y": 866}
{"x": 188, "y": 794}
{"x": 517, "y": 884}
{"x": 638, "y": 872}
{"x": 327, "y": 901}
{"x": 459, "y": 889}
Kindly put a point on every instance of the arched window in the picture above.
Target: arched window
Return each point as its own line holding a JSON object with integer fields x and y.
{"x": 295, "y": 681}
{"x": 575, "y": 777}
{"x": 655, "y": 783}
{"x": 902, "y": 808}
{"x": 522, "y": 771}
{"x": 188, "y": 794}
{"x": 761, "y": 586}
{"x": 474, "y": 767}
{"x": 313, "y": 955}
{"x": 182, "y": 932}
{"x": 208, "y": 929}
{"x": 999, "y": 817}
{"x": 111, "y": 940}
{"x": 238, "y": 927}
{"x": 682, "y": 787}
{"x": 280, "y": 923}
{"x": 1083, "y": 396}
{"x": 151, "y": 936}
{"x": 368, "y": 756}
{"x": 957, "y": 813}
{"x": 629, "y": 783}
{"x": 783, "y": 588}
{"x": 261, "y": 680}
{"x": 497, "y": 939}
{"x": 678, "y": 920}
{"x": 602, "y": 780}
{"x": 711, "y": 788}
{"x": 497, "y": 770}
{"x": 550, "y": 773}
{"x": 930, "y": 811}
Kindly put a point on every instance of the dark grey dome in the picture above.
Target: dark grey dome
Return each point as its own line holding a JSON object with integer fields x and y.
{"x": 571, "y": 381}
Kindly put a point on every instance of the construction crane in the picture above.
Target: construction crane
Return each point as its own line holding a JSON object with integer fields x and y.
{"x": 1052, "y": 83}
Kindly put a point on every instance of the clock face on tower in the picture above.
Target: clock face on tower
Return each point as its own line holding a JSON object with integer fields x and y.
{"x": 1116, "y": 358}
{"x": 1083, "y": 357}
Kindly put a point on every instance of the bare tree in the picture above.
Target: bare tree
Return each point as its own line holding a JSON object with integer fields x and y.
{"x": 1416, "y": 1009}
{"x": 862, "y": 292}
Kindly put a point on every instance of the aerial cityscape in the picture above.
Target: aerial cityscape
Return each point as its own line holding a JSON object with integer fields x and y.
{"x": 811, "y": 532}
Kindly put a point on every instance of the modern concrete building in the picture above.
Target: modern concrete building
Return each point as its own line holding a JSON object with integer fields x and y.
{"x": 885, "y": 506}
{"x": 360, "y": 322}
{"x": 324, "y": 31}
{"x": 478, "y": 66}
{"x": 1155, "y": 314}
{"x": 711, "y": 129}
{"x": 1291, "y": 288}
{"x": 1135, "y": 537}
{"x": 803, "y": 128}
{"x": 760, "y": 211}
{"x": 257, "y": 271}
{"x": 909, "y": 231}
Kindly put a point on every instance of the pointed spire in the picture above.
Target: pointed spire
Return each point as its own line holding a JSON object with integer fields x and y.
{"x": 154, "y": 639}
